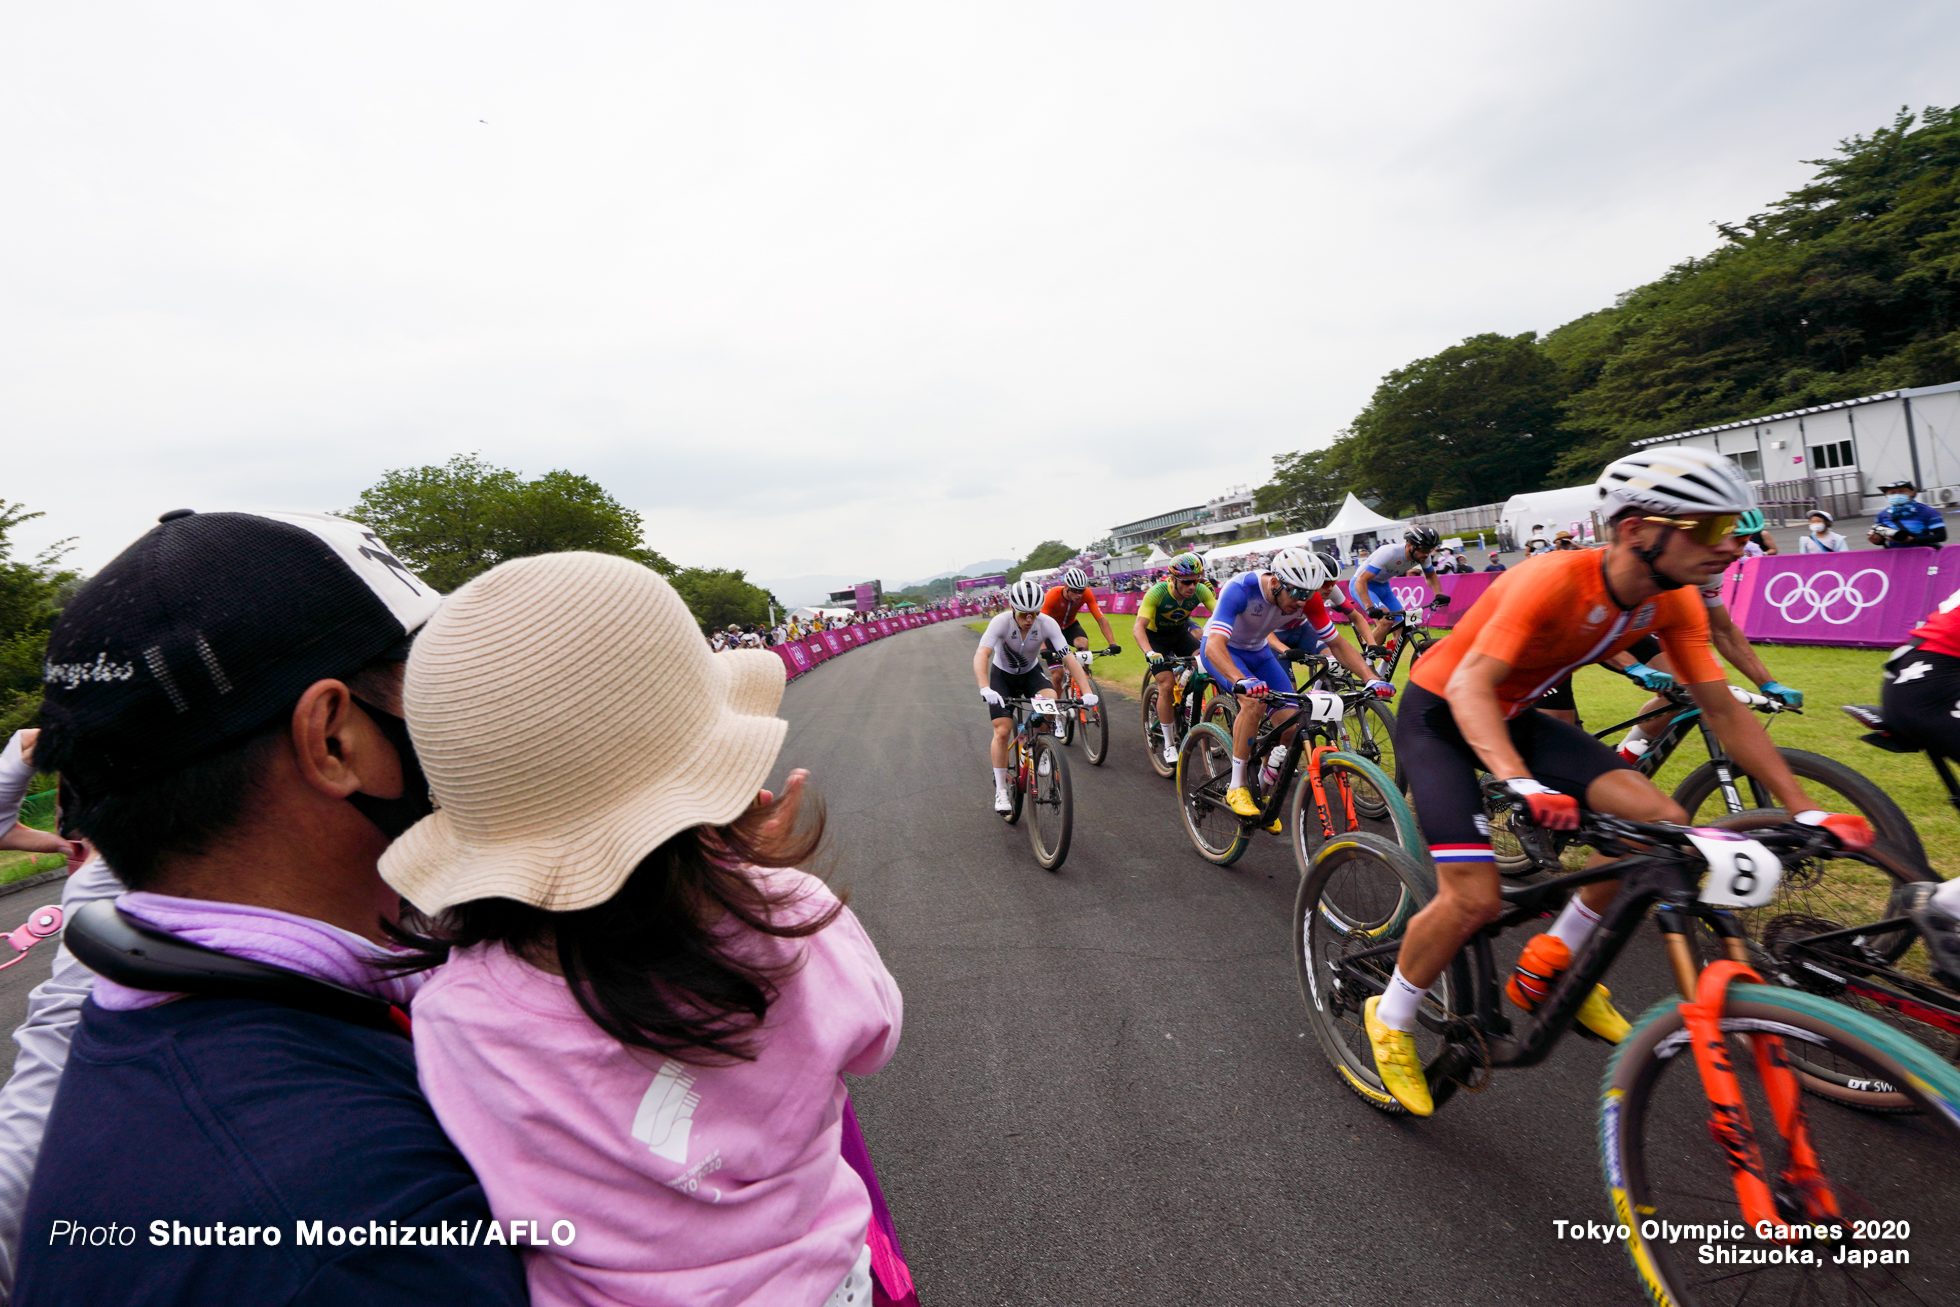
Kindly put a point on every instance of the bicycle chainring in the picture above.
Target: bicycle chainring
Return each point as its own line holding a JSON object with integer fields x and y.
{"x": 1779, "y": 936}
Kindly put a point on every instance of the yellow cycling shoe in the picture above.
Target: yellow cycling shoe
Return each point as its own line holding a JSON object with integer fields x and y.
{"x": 1598, "y": 1015}
{"x": 1239, "y": 800}
{"x": 1274, "y": 826}
{"x": 1396, "y": 1060}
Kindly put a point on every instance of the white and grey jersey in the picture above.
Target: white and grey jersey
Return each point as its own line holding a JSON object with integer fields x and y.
{"x": 1389, "y": 560}
{"x": 1015, "y": 652}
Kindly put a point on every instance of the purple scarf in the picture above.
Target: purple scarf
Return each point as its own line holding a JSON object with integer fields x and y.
{"x": 312, "y": 948}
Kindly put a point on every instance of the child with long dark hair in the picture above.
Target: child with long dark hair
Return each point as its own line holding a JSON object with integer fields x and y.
{"x": 637, "y": 1035}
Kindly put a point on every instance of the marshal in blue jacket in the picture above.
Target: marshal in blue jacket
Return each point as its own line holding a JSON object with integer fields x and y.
{"x": 182, "y": 1134}
{"x": 1917, "y": 523}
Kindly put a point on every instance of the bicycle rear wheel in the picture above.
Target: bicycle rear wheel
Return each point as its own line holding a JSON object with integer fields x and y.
{"x": 1662, "y": 1168}
{"x": 1051, "y": 805}
{"x": 1848, "y": 791}
{"x": 1204, "y": 773}
{"x": 1153, "y": 731}
{"x": 1379, "y": 808}
{"x": 1095, "y": 727}
{"x": 1359, "y": 894}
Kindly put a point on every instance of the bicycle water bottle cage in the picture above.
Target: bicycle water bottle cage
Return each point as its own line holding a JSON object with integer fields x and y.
{"x": 130, "y": 953}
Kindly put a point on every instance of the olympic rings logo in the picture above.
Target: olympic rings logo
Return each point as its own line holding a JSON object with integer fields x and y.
{"x": 1410, "y": 595}
{"x": 1840, "y": 594}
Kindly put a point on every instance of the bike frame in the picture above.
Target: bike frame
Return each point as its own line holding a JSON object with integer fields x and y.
{"x": 1875, "y": 981}
{"x": 1412, "y": 621}
{"x": 1662, "y": 748}
{"x": 1262, "y": 742}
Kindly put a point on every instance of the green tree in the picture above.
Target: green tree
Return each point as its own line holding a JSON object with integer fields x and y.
{"x": 1306, "y": 491}
{"x": 1846, "y": 286}
{"x": 719, "y": 597}
{"x": 1474, "y": 424}
{"x": 31, "y": 597}
{"x": 455, "y": 520}
{"x": 1049, "y": 553}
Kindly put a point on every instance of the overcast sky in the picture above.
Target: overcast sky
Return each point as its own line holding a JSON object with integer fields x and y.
{"x": 874, "y": 289}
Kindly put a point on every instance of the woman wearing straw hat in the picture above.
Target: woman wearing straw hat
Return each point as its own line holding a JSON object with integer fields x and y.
{"x": 638, "y": 1032}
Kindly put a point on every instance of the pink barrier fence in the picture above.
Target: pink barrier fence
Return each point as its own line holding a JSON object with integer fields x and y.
{"x": 1463, "y": 591}
{"x": 799, "y": 656}
{"x": 1868, "y": 599}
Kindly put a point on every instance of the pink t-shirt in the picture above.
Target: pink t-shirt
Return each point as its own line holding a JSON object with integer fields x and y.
{"x": 692, "y": 1185}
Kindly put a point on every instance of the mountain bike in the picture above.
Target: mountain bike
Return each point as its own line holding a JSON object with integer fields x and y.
{"x": 1191, "y": 685}
{"x": 1768, "y": 1166}
{"x": 1038, "y": 776}
{"x": 1360, "y": 797}
{"x": 1093, "y": 720}
{"x": 1409, "y": 631}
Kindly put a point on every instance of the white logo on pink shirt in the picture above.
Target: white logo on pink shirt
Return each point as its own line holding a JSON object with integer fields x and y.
{"x": 666, "y": 1115}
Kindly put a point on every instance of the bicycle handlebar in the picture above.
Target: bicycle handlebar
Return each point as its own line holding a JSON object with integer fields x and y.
{"x": 1678, "y": 694}
{"x": 1621, "y": 836}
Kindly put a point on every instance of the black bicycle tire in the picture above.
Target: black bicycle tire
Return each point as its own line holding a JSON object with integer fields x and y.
{"x": 1382, "y": 731}
{"x": 1635, "y": 1067}
{"x": 1153, "y": 740}
{"x": 1097, "y": 752}
{"x": 1197, "y": 737}
{"x": 1887, "y": 821}
{"x": 1419, "y": 887}
{"x": 1052, "y": 858}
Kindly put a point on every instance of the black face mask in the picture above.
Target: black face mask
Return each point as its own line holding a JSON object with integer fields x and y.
{"x": 393, "y": 816}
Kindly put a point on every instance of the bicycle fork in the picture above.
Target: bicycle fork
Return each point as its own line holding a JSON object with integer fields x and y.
{"x": 1729, "y": 1121}
{"x": 1315, "y": 779}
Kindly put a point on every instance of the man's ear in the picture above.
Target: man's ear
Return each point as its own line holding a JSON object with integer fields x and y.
{"x": 338, "y": 748}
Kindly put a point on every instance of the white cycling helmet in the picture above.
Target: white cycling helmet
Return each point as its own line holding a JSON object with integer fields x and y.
{"x": 1303, "y": 569}
{"x": 1676, "y": 479}
{"x": 1074, "y": 580}
{"x": 1025, "y": 596}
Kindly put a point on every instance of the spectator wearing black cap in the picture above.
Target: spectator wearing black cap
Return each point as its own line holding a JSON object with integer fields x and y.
{"x": 1904, "y": 522}
{"x": 223, "y": 706}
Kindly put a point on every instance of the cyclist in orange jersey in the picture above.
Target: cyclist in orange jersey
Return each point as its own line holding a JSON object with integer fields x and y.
{"x": 1469, "y": 706}
{"x": 1065, "y": 603}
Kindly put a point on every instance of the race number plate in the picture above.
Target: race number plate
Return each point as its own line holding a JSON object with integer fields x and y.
{"x": 1084, "y": 657}
{"x": 1741, "y": 872}
{"x": 1046, "y": 705}
{"x": 1322, "y": 707}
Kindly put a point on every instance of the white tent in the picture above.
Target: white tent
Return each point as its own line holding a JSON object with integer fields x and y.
{"x": 1042, "y": 575}
{"x": 1354, "y": 519}
{"x": 1157, "y": 557}
{"x": 1569, "y": 509}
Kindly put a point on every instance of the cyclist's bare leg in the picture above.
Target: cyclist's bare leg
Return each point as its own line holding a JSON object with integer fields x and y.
{"x": 1166, "y": 696}
{"x": 1624, "y": 794}
{"x": 997, "y": 751}
{"x": 1252, "y": 711}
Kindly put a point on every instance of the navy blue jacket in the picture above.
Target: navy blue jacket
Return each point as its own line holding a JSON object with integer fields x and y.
{"x": 1914, "y": 520}
{"x": 238, "y": 1111}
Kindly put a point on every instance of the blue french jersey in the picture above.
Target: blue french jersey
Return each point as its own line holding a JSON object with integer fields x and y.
{"x": 1246, "y": 617}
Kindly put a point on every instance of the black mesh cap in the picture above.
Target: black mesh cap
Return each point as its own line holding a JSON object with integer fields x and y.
{"x": 209, "y": 626}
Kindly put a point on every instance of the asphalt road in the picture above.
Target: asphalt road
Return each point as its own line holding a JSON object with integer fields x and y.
{"x": 1107, "y": 1092}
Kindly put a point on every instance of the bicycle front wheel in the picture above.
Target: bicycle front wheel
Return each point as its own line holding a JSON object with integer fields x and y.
{"x": 1371, "y": 734}
{"x": 1154, "y": 730}
{"x": 1095, "y": 728}
{"x": 1359, "y": 798}
{"x": 1204, "y": 773}
{"x": 1832, "y": 785}
{"x": 1894, "y": 1178}
{"x": 1359, "y": 895}
{"x": 1051, "y": 805}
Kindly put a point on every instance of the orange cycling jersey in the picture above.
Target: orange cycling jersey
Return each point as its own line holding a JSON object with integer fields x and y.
{"x": 1552, "y": 614}
{"x": 1058, "y": 606}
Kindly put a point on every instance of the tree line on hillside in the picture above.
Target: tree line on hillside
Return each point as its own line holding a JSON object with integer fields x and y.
{"x": 449, "y": 522}
{"x": 1847, "y": 286}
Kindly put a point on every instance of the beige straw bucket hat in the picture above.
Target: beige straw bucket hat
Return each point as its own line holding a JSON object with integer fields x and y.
{"x": 571, "y": 719}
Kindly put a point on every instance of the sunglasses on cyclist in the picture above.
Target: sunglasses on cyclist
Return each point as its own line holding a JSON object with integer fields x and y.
{"x": 1701, "y": 530}
{"x": 1297, "y": 592}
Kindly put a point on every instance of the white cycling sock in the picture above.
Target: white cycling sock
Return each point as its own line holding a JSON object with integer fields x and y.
{"x": 1397, "y": 1009}
{"x": 1575, "y": 924}
{"x": 1947, "y": 898}
{"x": 1238, "y": 772}
{"x": 1000, "y": 778}
{"x": 1638, "y": 735}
